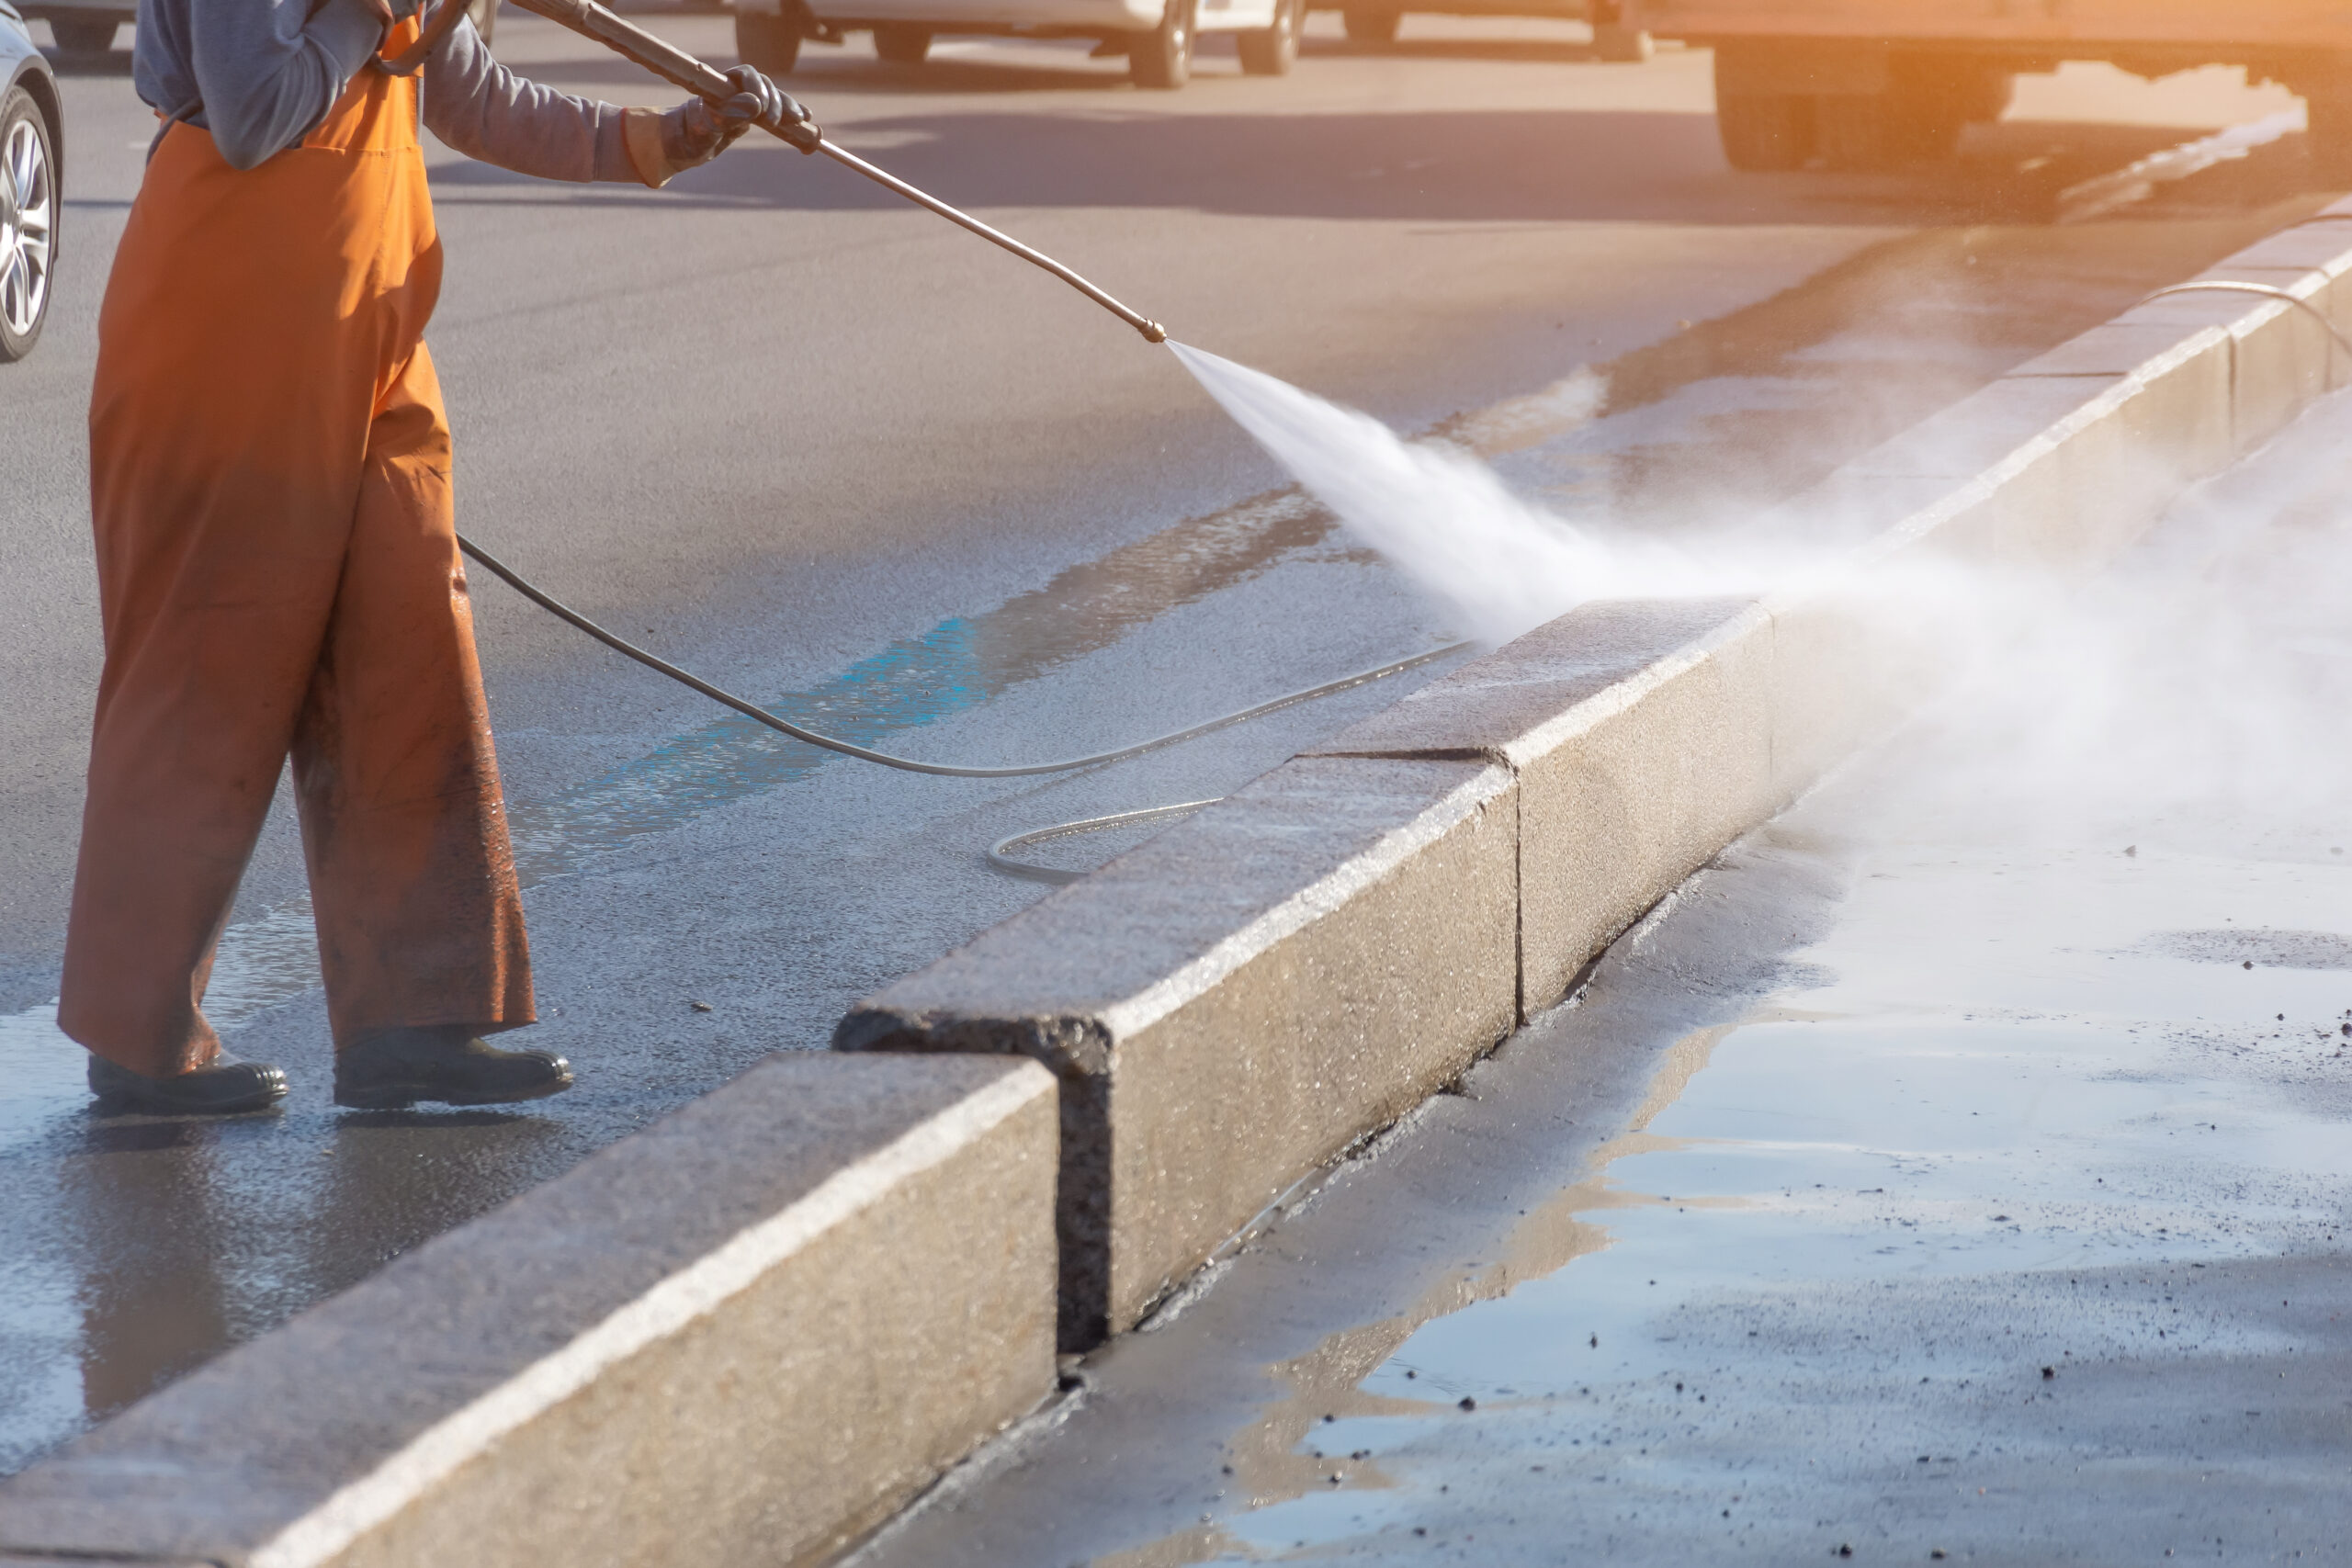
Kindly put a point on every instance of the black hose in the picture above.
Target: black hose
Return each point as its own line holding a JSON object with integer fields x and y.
{"x": 751, "y": 710}
{"x": 1000, "y": 854}
{"x": 2269, "y": 291}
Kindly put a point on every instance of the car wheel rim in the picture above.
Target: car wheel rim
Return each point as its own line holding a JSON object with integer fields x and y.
{"x": 27, "y": 214}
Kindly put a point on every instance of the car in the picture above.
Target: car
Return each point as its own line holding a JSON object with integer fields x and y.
{"x": 80, "y": 27}
{"x": 1155, "y": 35}
{"x": 33, "y": 139}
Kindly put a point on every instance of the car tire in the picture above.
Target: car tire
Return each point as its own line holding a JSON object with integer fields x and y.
{"x": 1162, "y": 58}
{"x": 1272, "y": 51}
{"x": 84, "y": 34}
{"x": 1765, "y": 132}
{"x": 1925, "y": 133}
{"x": 767, "y": 41}
{"x": 29, "y": 207}
{"x": 1855, "y": 132}
{"x": 1370, "y": 24}
{"x": 899, "y": 44}
{"x": 1879, "y": 132}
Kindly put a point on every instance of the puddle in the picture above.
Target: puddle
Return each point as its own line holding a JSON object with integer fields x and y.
{"x": 41, "y": 1072}
{"x": 2252, "y": 948}
{"x": 1895, "y": 1189}
{"x": 261, "y": 963}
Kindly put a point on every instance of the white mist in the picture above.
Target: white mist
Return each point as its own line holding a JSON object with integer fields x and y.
{"x": 1499, "y": 565}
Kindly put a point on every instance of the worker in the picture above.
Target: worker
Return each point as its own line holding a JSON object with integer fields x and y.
{"x": 278, "y": 564}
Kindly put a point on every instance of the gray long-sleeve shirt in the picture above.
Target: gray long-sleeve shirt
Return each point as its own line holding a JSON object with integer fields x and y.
{"x": 260, "y": 73}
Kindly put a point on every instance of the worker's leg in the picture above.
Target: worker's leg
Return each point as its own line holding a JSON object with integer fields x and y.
{"x": 419, "y": 921}
{"x": 242, "y": 349}
{"x": 216, "y": 591}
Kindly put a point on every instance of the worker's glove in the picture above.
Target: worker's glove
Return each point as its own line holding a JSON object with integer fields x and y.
{"x": 698, "y": 131}
{"x": 659, "y": 145}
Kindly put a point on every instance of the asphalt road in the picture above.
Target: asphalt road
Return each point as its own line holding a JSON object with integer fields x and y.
{"x": 1954, "y": 1171}
{"x": 842, "y": 456}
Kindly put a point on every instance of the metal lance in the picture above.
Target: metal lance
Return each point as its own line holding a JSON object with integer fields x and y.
{"x": 680, "y": 69}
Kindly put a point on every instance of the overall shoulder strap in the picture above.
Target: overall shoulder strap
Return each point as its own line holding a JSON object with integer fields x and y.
{"x": 411, "y": 59}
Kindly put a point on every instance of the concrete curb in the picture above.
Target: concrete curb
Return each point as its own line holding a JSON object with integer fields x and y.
{"x": 1640, "y": 735}
{"x": 745, "y": 1334}
{"x": 1232, "y": 1004}
{"x": 1235, "y": 999}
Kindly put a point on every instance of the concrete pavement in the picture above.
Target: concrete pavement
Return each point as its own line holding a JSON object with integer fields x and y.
{"x": 835, "y": 449}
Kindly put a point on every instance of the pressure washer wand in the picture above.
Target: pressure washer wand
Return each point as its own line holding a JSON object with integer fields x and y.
{"x": 680, "y": 69}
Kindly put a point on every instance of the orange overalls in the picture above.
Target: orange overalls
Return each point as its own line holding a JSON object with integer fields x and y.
{"x": 278, "y": 573}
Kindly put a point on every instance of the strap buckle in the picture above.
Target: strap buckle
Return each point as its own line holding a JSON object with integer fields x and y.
{"x": 411, "y": 59}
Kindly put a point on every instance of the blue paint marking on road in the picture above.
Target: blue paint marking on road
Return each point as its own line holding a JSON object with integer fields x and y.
{"x": 957, "y": 665}
{"x": 911, "y": 683}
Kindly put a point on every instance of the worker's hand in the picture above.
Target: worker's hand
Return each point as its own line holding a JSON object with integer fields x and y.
{"x": 697, "y": 131}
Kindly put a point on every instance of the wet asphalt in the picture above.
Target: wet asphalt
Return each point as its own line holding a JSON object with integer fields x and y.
{"x": 840, "y": 456}
{"x": 1955, "y": 1170}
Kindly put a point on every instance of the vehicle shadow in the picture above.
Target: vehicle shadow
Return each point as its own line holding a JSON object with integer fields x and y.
{"x": 1529, "y": 51}
{"x": 72, "y": 62}
{"x": 1503, "y": 167}
{"x": 850, "y": 68}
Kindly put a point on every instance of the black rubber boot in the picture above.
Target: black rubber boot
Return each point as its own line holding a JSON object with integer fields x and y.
{"x": 395, "y": 1068}
{"x": 223, "y": 1087}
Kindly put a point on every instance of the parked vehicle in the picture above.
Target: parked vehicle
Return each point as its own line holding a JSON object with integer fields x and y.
{"x": 32, "y": 137}
{"x": 1875, "y": 84}
{"x": 1376, "y": 21}
{"x": 80, "y": 27}
{"x": 1157, "y": 36}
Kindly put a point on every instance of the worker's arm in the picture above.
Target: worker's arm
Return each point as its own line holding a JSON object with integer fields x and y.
{"x": 256, "y": 73}
{"x": 479, "y": 107}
